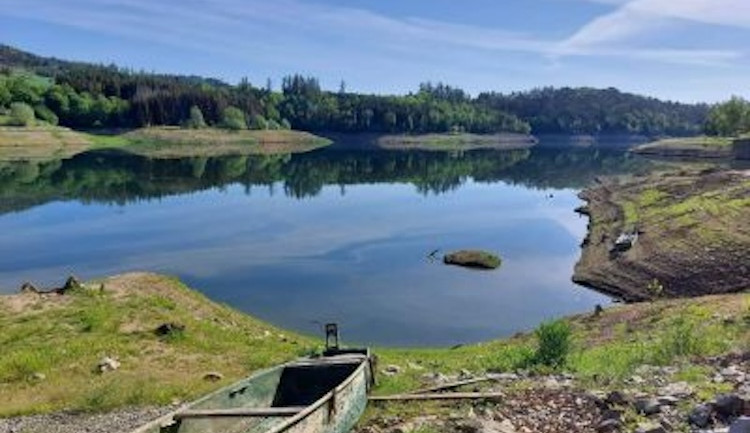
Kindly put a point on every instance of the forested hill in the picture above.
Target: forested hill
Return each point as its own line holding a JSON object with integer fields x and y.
{"x": 83, "y": 95}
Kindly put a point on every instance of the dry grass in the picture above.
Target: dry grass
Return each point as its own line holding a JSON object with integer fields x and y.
{"x": 40, "y": 143}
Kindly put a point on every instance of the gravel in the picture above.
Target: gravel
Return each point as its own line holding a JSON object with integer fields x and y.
{"x": 119, "y": 421}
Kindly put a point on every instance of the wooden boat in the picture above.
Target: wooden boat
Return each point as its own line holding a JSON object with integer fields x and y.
{"x": 325, "y": 394}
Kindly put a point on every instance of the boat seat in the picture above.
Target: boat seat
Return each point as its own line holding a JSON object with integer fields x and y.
{"x": 240, "y": 412}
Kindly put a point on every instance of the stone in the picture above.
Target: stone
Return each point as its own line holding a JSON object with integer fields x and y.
{"x": 667, "y": 400}
{"x": 167, "y": 329}
{"x": 38, "y": 377}
{"x": 391, "y": 370}
{"x": 464, "y": 374}
{"x": 740, "y": 425}
{"x": 650, "y": 428}
{"x": 107, "y": 364}
{"x": 609, "y": 426}
{"x": 701, "y": 415}
{"x": 612, "y": 414}
{"x": 728, "y": 405}
{"x": 504, "y": 376}
{"x": 677, "y": 389}
{"x": 647, "y": 406}
{"x": 616, "y": 398}
{"x": 213, "y": 376}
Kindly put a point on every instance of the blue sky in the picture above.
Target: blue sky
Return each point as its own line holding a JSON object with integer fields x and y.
{"x": 688, "y": 50}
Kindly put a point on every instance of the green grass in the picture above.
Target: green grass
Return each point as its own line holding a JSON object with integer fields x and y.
{"x": 64, "y": 338}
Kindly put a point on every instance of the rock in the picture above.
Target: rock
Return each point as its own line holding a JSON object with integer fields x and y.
{"x": 504, "y": 376}
{"x": 166, "y": 329}
{"x": 107, "y": 364}
{"x": 612, "y": 414}
{"x": 464, "y": 374}
{"x": 391, "y": 370}
{"x": 647, "y": 406}
{"x": 472, "y": 259}
{"x": 213, "y": 376}
{"x": 728, "y": 405}
{"x": 650, "y": 428}
{"x": 740, "y": 425}
{"x": 38, "y": 377}
{"x": 677, "y": 389}
{"x": 609, "y": 426}
{"x": 414, "y": 366}
{"x": 733, "y": 374}
{"x": 616, "y": 398}
{"x": 701, "y": 415}
{"x": 667, "y": 400}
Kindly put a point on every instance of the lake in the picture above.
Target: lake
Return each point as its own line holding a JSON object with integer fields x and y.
{"x": 332, "y": 235}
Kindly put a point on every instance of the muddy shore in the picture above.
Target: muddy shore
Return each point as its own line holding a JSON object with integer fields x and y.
{"x": 691, "y": 235}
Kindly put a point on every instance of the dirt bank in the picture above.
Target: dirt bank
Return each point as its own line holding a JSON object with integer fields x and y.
{"x": 690, "y": 234}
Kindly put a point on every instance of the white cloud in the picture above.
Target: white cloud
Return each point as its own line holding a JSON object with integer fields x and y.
{"x": 251, "y": 28}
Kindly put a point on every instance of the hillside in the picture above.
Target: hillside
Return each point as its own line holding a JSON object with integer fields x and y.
{"x": 117, "y": 97}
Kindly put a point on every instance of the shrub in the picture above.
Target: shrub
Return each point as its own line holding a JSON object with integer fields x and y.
{"x": 258, "y": 122}
{"x": 45, "y": 114}
{"x": 554, "y": 343}
{"x": 196, "y": 120}
{"x": 21, "y": 114}
{"x": 233, "y": 118}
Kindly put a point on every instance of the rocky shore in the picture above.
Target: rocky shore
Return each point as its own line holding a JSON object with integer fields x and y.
{"x": 707, "y": 396}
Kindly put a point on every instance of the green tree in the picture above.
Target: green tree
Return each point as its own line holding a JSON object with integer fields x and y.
{"x": 729, "y": 118}
{"x": 21, "y": 114}
{"x": 233, "y": 118}
{"x": 195, "y": 121}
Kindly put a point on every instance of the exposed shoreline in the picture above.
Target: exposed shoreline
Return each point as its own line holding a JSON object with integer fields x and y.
{"x": 697, "y": 147}
{"x": 46, "y": 142}
{"x": 690, "y": 239}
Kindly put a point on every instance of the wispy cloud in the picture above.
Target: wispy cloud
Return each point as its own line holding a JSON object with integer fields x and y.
{"x": 247, "y": 28}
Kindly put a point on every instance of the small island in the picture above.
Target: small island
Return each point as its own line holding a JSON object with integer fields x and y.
{"x": 475, "y": 259}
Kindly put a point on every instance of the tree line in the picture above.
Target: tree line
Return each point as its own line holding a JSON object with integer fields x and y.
{"x": 83, "y": 95}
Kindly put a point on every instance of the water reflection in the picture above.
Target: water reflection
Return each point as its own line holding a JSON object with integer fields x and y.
{"x": 330, "y": 235}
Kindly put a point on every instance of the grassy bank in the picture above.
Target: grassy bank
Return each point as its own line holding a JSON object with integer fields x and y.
{"x": 456, "y": 141}
{"x": 63, "y": 338}
{"x": 45, "y": 142}
{"x": 691, "y": 236}
{"x": 695, "y": 147}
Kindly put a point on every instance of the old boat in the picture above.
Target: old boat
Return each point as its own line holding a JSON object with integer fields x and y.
{"x": 323, "y": 394}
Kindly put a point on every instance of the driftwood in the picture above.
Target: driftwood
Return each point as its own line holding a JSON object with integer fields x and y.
{"x": 453, "y": 385}
{"x": 440, "y": 396}
{"x": 71, "y": 283}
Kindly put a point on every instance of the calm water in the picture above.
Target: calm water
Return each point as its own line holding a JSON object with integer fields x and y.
{"x": 331, "y": 235}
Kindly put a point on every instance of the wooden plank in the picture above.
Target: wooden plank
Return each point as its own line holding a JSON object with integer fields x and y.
{"x": 439, "y": 396}
{"x": 453, "y": 385}
{"x": 240, "y": 412}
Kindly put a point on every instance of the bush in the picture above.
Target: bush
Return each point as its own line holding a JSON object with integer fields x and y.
{"x": 258, "y": 122}
{"x": 233, "y": 118}
{"x": 196, "y": 120}
{"x": 554, "y": 339}
{"x": 45, "y": 114}
{"x": 21, "y": 114}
